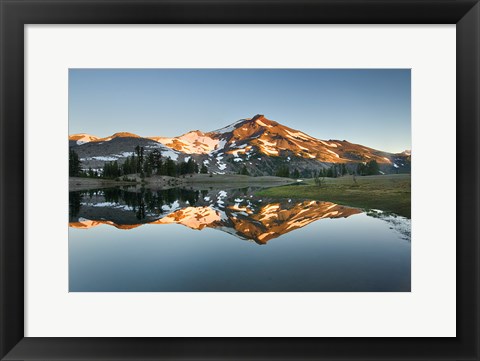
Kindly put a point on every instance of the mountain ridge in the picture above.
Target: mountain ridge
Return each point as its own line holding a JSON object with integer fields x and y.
{"x": 250, "y": 142}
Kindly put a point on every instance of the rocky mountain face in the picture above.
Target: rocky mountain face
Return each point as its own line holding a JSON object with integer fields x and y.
{"x": 259, "y": 144}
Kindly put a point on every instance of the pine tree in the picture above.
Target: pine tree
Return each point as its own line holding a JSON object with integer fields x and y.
{"x": 156, "y": 159}
{"x": 147, "y": 169}
{"x": 283, "y": 171}
{"x": 329, "y": 172}
{"x": 360, "y": 169}
{"x": 75, "y": 166}
{"x": 319, "y": 178}
{"x": 373, "y": 168}
{"x": 190, "y": 166}
{"x": 170, "y": 168}
{"x": 244, "y": 170}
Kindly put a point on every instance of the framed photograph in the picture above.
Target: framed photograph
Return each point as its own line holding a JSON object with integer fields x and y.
{"x": 239, "y": 180}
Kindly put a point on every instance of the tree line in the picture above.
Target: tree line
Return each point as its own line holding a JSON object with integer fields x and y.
{"x": 139, "y": 162}
{"x": 152, "y": 163}
{"x": 369, "y": 168}
{"x": 334, "y": 171}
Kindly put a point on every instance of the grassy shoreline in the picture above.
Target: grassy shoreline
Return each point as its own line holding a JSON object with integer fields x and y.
{"x": 83, "y": 183}
{"x": 390, "y": 193}
{"x": 199, "y": 181}
{"x": 386, "y": 192}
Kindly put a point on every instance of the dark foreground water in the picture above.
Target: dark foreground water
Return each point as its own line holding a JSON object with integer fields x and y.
{"x": 228, "y": 240}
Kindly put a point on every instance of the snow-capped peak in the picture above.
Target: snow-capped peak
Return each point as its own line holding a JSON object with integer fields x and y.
{"x": 194, "y": 142}
{"x": 82, "y": 138}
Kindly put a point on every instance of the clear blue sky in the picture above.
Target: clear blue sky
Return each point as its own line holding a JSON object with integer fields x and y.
{"x": 367, "y": 106}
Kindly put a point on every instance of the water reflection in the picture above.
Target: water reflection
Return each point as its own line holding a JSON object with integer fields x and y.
{"x": 169, "y": 241}
{"x": 237, "y": 211}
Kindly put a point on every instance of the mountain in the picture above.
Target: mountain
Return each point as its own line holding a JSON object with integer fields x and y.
{"x": 82, "y": 138}
{"x": 117, "y": 135}
{"x": 259, "y": 144}
{"x": 117, "y": 147}
{"x": 270, "y": 138}
{"x": 194, "y": 142}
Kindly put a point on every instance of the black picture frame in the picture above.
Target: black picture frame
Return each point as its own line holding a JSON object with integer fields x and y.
{"x": 15, "y": 14}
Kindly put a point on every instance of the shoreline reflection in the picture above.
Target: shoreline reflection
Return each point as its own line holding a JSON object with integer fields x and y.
{"x": 237, "y": 212}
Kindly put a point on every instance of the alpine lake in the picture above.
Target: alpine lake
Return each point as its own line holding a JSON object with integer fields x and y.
{"x": 220, "y": 239}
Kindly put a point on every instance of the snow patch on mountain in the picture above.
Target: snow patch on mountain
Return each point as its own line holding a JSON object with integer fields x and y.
{"x": 107, "y": 159}
{"x": 268, "y": 147}
{"x": 335, "y": 154}
{"x": 194, "y": 142}
{"x": 82, "y": 138}
{"x": 259, "y": 122}
{"x": 229, "y": 128}
{"x": 220, "y": 145}
{"x": 173, "y": 207}
{"x": 171, "y": 154}
{"x": 299, "y": 135}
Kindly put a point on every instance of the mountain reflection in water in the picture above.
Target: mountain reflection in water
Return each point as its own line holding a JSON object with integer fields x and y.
{"x": 237, "y": 212}
{"x": 145, "y": 240}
